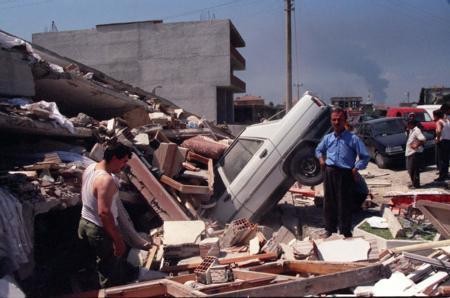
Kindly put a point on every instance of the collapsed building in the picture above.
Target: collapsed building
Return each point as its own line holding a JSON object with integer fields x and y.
{"x": 57, "y": 115}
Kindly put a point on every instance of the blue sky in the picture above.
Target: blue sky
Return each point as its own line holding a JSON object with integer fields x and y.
{"x": 384, "y": 48}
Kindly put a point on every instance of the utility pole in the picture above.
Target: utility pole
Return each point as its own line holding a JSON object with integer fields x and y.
{"x": 298, "y": 85}
{"x": 288, "y": 9}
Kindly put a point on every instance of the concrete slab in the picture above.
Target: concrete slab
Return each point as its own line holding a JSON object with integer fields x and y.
{"x": 16, "y": 78}
{"x": 182, "y": 232}
{"x": 343, "y": 250}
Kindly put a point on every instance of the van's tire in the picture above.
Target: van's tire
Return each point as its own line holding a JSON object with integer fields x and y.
{"x": 305, "y": 167}
{"x": 380, "y": 161}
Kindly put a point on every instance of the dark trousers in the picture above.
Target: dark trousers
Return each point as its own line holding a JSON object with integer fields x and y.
{"x": 443, "y": 155}
{"x": 111, "y": 270}
{"x": 413, "y": 164}
{"x": 338, "y": 200}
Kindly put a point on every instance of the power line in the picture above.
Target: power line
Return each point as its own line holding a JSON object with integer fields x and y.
{"x": 200, "y": 10}
{"x": 24, "y": 4}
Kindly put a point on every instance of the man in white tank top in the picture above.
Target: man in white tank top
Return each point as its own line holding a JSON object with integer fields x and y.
{"x": 98, "y": 224}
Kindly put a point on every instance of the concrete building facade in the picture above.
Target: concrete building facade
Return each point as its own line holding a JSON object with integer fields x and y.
{"x": 190, "y": 63}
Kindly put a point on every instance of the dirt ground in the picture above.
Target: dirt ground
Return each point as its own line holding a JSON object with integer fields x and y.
{"x": 302, "y": 215}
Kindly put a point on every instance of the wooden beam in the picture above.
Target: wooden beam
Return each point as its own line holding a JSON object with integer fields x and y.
{"x": 309, "y": 267}
{"x": 186, "y": 188}
{"x": 421, "y": 246}
{"x": 224, "y": 261}
{"x": 315, "y": 285}
{"x": 177, "y": 290}
{"x": 435, "y": 262}
{"x": 320, "y": 267}
{"x": 151, "y": 255}
{"x": 156, "y": 195}
{"x": 438, "y": 214}
{"x": 142, "y": 289}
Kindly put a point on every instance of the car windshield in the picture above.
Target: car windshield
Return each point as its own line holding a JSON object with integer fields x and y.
{"x": 388, "y": 127}
{"x": 238, "y": 157}
{"x": 420, "y": 116}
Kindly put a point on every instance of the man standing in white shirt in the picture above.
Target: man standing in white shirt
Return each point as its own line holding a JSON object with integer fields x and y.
{"x": 413, "y": 152}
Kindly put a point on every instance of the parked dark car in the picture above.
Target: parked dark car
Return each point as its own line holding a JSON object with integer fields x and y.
{"x": 385, "y": 139}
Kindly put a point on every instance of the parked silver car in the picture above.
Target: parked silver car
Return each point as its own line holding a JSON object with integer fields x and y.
{"x": 265, "y": 160}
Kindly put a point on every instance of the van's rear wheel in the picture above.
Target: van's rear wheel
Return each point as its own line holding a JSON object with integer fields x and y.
{"x": 305, "y": 167}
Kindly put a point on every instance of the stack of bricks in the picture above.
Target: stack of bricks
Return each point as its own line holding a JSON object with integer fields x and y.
{"x": 237, "y": 232}
{"x": 202, "y": 272}
{"x": 210, "y": 272}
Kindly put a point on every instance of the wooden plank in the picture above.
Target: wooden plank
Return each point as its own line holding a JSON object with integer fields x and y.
{"x": 211, "y": 176}
{"x": 421, "y": 246}
{"x": 186, "y": 188}
{"x": 223, "y": 261}
{"x": 156, "y": 195}
{"x": 176, "y": 290}
{"x": 315, "y": 285}
{"x": 431, "y": 261}
{"x": 309, "y": 267}
{"x": 142, "y": 289}
{"x": 191, "y": 156}
{"x": 438, "y": 214}
{"x": 151, "y": 255}
{"x": 273, "y": 267}
{"x": 237, "y": 285}
{"x": 320, "y": 267}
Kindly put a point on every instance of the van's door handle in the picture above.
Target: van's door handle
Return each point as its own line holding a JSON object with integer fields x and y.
{"x": 263, "y": 154}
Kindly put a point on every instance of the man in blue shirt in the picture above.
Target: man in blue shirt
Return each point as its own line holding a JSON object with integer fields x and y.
{"x": 337, "y": 154}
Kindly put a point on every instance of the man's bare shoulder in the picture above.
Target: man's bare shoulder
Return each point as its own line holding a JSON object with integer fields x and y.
{"x": 104, "y": 180}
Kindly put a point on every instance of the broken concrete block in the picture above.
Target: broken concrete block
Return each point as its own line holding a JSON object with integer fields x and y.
{"x": 254, "y": 246}
{"x": 343, "y": 250}
{"x": 364, "y": 291}
{"x": 302, "y": 249}
{"x": 159, "y": 118}
{"x": 283, "y": 235}
{"x": 141, "y": 139}
{"x": 221, "y": 274}
{"x": 288, "y": 252}
{"x": 209, "y": 247}
{"x": 377, "y": 222}
{"x": 395, "y": 285}
{"x": 97, "y": 152}
{"x": 211, "y": 272}
{"x": 237, "y": 232}
{"x": 136, "y": 117}
{"x": 393, "y": 224}
{"x": 182, "y": 232}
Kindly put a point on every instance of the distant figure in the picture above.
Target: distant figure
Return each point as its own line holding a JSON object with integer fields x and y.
{"x": 337, "y": 154}
{"x": 442, "y": 144}
{"x": 413, "y": 152}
